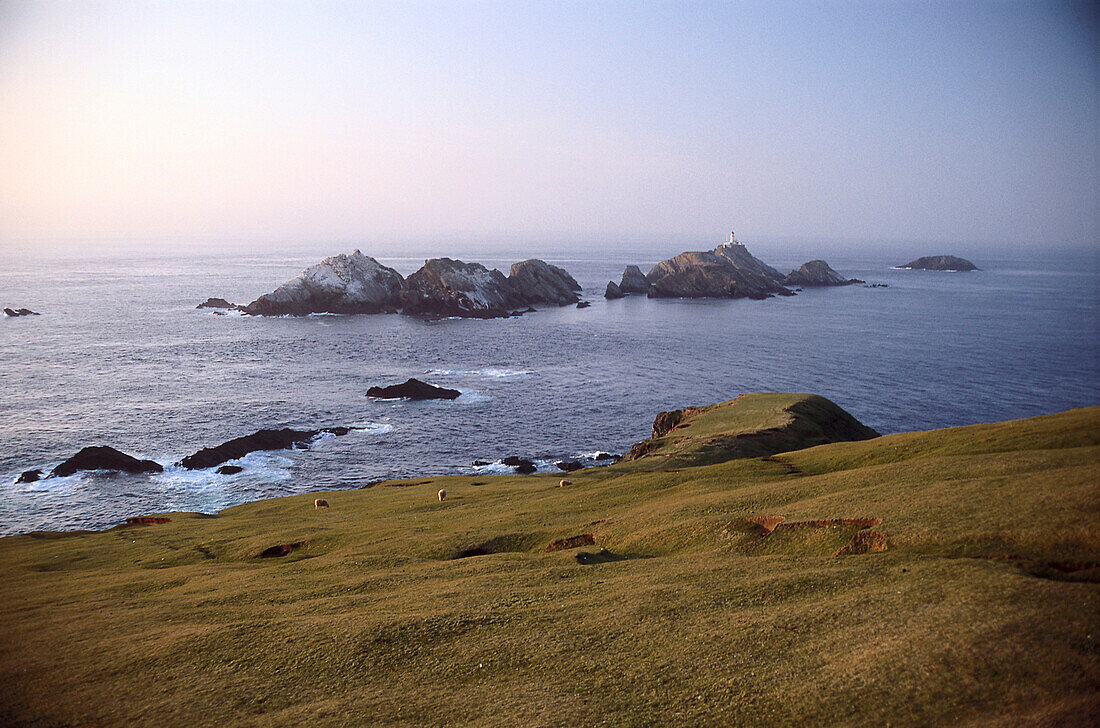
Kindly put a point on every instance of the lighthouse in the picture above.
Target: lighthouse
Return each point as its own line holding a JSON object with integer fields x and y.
{"x": 733, "y": 240}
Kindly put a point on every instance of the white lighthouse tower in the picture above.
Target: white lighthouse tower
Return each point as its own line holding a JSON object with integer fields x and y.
{"x": 733, "y": 240}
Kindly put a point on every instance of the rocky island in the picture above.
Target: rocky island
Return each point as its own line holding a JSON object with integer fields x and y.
{"x": 443, "y": 287}
{"x": 940, "y": 262}
{"x": 728, "y": 271}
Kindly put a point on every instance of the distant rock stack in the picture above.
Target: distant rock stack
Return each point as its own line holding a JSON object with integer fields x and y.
{"x": 817, "y": 273}
{"x": 940, "y": 262}
{"x": 353, "y": 283}
{"x": 446, "y": 287}
{"x": 728, "y": 271}
{"x": 612, "y": 291}
{"x": 536, "y": 281}
{"x": 634, "y": 281}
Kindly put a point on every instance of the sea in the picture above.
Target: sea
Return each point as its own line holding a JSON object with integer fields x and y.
{"x": 120, "y": 356}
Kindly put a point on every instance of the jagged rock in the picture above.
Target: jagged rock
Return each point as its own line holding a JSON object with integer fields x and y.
{"x": 446, "y": 287}
{"x": 634, "y": 281}
{"x": 817, "y": 273}
{"x": 729, "y": 271}
{"x": 353, "y": 283}
{"x": 523, "y": 466}
{"x": 613, "y": 291}
{"x": 19, "y": 312}
{"x": 739, "y": 256}
{"x": 940, "y": 262}
{"x": 229, "y": 470}
{"x": 569, "y": 465}
{"x": 604, "y": 456}
{"x": 583, "y": 304}
{"x": 29, "y": 476}
{"x": 104, "y": 458}
{"x": 284, "y": 439}
{"x": 526, "y": 468}
{"x": 413, "y": 389}
{"x": 536, "y": 281}
{"x": 216, "y": 303}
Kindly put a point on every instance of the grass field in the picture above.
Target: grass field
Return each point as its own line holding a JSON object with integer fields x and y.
{"x": 949, "y": 577}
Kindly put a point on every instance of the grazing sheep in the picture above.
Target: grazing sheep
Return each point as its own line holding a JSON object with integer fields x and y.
{"x": 442, "y": 494}
{"x": 320, "y": 503}
{"x": 564, "y": 483}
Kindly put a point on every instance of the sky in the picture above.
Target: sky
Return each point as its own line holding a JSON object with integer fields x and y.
{"x": 580, "y": 123}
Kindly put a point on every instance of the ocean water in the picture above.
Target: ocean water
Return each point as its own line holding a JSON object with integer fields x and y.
{"x": 121, "y": 357}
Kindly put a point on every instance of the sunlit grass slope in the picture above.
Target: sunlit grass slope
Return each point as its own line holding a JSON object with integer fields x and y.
{"x": 746, "y": 592}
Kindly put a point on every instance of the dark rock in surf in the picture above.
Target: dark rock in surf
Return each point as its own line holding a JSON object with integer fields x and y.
{"x": 612, "y": 291}
{"x": 105, "y": 458}
{"x": 284, "y": 439}
{"x": 569, "y": 465}
{"x": 229, "y": 470}
{"x": 413, "y": 389}
{"x": 940, "y": 262}
{"x": 817, "y": 273}
{"x": 216, "y": 303}
{"x": 583, "y": 304}
{"x": 521, "y": 465}
{"x": 29, "y": 476}
{"x": 13, "y": 313}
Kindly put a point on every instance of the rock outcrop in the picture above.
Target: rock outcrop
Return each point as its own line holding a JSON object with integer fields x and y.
{"x": 216, "y": 303}
{"x": 940, "y": 262}
{"x": 29, "y": 476}
{"x": 446, "y": 287}
{"x": 284, "y": 439}
{"x": 612, "y": 291}
{"x": 817, "y": 273}
{"x": 14, "y": 312}
{"x": 634, "y": 281}
{"x": 413, "y": 389}
{"x": 729, "y": 271}
{"x": 104, "y": 458}
{"x": 353, "y": 283}
{"x": 536, "y": 281}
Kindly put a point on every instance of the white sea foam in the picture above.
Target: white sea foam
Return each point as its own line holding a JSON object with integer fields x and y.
{"x": 372, "y": 428}
{"x": 488, "y": 372}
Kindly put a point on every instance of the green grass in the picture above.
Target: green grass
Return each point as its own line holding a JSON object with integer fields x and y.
{"x": 983, "y": 610}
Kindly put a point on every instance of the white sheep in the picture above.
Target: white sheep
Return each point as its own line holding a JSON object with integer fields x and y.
{"x": 442, "y": 494}
{"x": 320, "y": 503}
{"x": 564, "y": 483}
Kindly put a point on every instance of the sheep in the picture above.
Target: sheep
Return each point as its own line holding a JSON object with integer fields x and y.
{"x": 564, "y": 483}
{"x": 442, "y": 494}
{"x": 320, "y": 503}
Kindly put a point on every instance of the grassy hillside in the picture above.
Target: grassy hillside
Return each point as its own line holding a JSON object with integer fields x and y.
{"x": 751, "y": 591}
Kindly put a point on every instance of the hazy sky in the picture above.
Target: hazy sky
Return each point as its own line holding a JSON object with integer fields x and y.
{"x": 579, "y": 121}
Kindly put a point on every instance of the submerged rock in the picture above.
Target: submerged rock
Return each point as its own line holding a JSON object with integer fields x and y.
{"x": 612, "y": 291}
{"x": 353, "y": 283}
{"x": 446, "y": 287}
{"x": 19, "y": 312}
{"x": 817, "y": 273}
{"x": 29, "y": 476}
{"x": 633, "y": 281}
{"x": 105, "y": 458}
{"x": 284, "y": 439}
{"x": 536, "y": 281}
{"x": 522, "y": 466}
{"x": 940, "y": 262}
{"x": 413, "y": 389}
{"x": 229, "y": 470}
{"x": 216, "y": 303}
{"x": 729, "y": 271}
{"x": 583, "y": 304}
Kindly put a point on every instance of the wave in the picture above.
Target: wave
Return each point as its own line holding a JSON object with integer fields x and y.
{"x": 487, "y": 372}
{"x": 372, "y": 428}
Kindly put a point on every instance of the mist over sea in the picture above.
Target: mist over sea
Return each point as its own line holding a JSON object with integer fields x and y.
{"x": 121, "y": 357}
